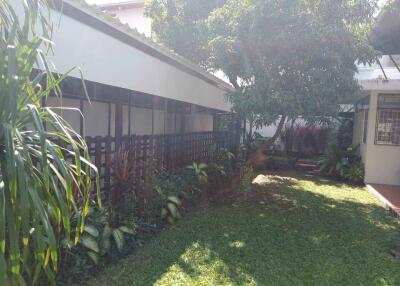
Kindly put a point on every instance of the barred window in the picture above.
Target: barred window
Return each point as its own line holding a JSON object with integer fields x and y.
{"x": 388, "y": 120}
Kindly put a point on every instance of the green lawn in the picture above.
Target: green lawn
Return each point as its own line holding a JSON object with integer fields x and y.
{"x": 302, "y": 232}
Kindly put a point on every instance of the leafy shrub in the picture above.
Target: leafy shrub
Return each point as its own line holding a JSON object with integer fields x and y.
{"x": 100, "y": 242}
{"x": 176, "y": 187}
{"x": 124, "y": 170}
{"x": 221, "y": 168}
{"x": 170, "y": 209}
{"x": 355, "y": 173}
{"x": 343, "y": 163}
{"x": 200, "y": 173}
{"x": 217, "y": 175}
{"x": 223, "y": 157}
{"x": 100, "y": 234}
{"x": 329, "y": 164}
{"x": 130, "y": 199}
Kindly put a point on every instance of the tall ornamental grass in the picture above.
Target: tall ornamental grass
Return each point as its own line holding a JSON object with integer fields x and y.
{"x": 42, "y": 183}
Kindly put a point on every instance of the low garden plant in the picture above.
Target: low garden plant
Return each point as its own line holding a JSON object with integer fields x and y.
{"x": 221, "y": 168}
{"x": 100, "y": 243}
{"x": 343, "y": 163}
{"x": 173, "y": 189}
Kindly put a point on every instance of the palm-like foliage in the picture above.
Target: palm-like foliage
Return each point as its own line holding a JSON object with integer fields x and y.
{"x": 41, "y": 182}
{"x": 200, "y": 172}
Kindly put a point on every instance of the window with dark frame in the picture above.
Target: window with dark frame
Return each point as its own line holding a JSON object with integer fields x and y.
{"x": 363, "y": 106}
{"x": 388, "y": 120}
{"x": 365, "y": 127}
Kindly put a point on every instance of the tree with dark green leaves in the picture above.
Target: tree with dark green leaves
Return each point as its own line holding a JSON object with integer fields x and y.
{"x": 286, "y": 58}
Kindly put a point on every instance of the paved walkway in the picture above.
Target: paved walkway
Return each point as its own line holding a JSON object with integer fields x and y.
{"x": 388, "y": 194}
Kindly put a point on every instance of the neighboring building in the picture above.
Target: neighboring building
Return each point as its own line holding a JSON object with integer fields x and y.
{"x": 129, "y": 12}
{"x": 135, "y": 85}
{"x": 377, "y": 115}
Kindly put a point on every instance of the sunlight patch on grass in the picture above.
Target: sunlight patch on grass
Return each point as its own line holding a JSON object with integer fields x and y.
{"x": 198, "y": 265}
{"x": 310, "y": 233}
{"x": 237, "y": 244}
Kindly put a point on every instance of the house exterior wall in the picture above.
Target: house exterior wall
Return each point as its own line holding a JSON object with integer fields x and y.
{"x": 109, "y": 60}
{"x": 71, "y": 115}
{"x": 143, "y": 121}
{"x": 116, "y": 63}
{"x": 358, "y": 131}
{"x": 382, "y": 162}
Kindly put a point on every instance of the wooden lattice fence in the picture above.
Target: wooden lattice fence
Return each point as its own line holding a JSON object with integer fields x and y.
{"x": 163, "y": 152}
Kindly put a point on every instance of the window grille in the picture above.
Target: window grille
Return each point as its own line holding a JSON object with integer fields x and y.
{"x": 388, "y": 127}
{"x": 389, "y": 101}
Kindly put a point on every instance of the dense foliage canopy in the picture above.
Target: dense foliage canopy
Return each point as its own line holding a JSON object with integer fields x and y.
{"x": 285, "y": 58}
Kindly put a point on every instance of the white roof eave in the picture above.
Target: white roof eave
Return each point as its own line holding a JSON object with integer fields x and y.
{"x": 380, "y": 85}
{"x": 133, "y": 33}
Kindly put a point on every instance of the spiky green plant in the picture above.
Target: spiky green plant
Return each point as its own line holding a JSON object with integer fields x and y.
{"x": 199, "y": 170}
{"x": 41, "y": 182}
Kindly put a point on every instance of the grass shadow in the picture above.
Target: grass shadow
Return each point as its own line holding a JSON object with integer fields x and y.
{"x": 311, "y": 234}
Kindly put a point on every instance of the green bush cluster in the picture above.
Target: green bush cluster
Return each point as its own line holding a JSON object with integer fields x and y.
{"x": 343, "y": 163}
{"x": 221, "y": 168}
{"x": 110, "y": 231}
{"x": 177, "y": 189}
{"x": 100, "y": 242}
{"x": 173, "y": 190}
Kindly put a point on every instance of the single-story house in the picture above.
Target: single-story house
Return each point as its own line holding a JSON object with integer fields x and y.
{"x": 377, "y": 114}
{"x": 135, "y": 86}
{"x": 143, "y": 96}
{"x": 377, "y": 131}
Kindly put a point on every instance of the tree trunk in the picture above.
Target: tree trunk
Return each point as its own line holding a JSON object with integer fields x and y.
{"x": 258, "y": 158}
{"x": 250, "y": 139}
